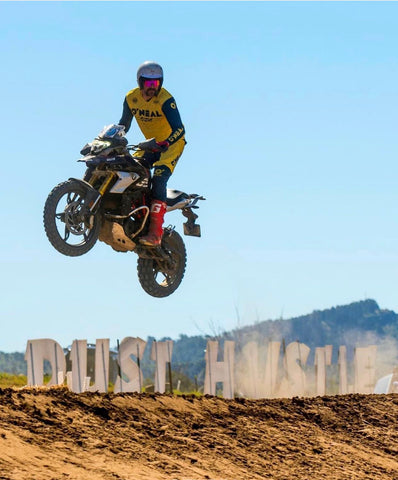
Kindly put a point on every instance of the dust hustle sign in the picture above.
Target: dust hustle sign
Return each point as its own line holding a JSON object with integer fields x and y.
{"x": 254, "y": 373}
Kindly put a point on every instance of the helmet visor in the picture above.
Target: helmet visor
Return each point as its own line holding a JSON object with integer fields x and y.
{"x": 152, "y": 83}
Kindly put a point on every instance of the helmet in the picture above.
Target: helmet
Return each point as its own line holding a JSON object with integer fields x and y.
{"x": 149, "y": 70}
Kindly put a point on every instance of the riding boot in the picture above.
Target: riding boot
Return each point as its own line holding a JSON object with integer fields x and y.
{"x": 155, "y": 232}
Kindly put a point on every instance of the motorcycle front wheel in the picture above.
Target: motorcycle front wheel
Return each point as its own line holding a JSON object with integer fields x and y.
{"x": 68, "y": 228}
{"x": 157, "y": 278}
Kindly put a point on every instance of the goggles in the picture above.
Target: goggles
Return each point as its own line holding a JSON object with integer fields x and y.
{"x": 152, "y": 84}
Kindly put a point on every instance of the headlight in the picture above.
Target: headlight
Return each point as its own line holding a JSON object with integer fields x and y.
{"x": 99, "y": 145}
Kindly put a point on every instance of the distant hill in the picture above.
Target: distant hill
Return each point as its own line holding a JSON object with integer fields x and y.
{"x": 354, "y": 325}
{"x": 13, "y": 363}
{"x": 357, "y": 324}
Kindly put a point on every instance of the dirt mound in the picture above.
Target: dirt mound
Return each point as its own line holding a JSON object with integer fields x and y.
{"x": 55, "y": 434}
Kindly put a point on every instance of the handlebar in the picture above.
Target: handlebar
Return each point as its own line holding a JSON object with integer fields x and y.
{"x": 150, "y": 145}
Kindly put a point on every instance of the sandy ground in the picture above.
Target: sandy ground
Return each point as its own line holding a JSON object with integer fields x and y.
{"x": 55, "y": 435}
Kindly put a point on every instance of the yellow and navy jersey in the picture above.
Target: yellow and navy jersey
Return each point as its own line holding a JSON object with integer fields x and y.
{"x": 157, "y": 118}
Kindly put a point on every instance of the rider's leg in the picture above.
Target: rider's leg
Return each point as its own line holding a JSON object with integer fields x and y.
{"x": 163, "y": 170}
{"x": 158, "y": 206}
{"x": 155, "y": 232}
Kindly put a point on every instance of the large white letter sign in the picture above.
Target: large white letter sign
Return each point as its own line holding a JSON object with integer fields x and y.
{"x": 78, "y": 381}
{"x": 365, "y": 369}
{"x": 45, "y": 349}
{"x": 323, "y": 357}
{"x": 256, "y": 371}
{"x": 295, "y": 381}
{"x": 220, "y": 371}
{"x": 101, "y": 366}
{"x": 271, "y": 368}
{"x": 247, "y": 374}
{"x": 161, "y": 352}
{"x": 130, "y": 346}
{"x": 343, "y": 381}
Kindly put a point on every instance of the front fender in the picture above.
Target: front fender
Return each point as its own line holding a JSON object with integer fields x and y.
{"x": 92, "y": 194}
{"x": 84, "y": 183}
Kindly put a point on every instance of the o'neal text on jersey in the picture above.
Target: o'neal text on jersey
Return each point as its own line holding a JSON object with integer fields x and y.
{"x": 145, "y": 113}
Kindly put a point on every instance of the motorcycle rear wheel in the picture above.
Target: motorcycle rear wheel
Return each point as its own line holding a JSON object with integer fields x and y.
{"x": 160, "y": 281}
{"x": 65, "y": 227}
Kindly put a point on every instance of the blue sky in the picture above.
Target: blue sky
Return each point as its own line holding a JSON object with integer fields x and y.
{"x": 290, "y": 110}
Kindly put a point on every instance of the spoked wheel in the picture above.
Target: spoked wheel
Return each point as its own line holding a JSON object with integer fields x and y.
{"x": 69, "y": 229}
{"x": 160, "y": 278}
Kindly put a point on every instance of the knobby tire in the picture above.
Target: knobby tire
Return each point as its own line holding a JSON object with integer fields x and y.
{"x": 49, "y": 220}
{"x": 148, "y": 268}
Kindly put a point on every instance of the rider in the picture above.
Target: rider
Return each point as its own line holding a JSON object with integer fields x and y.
{"x": 157, "y": 116}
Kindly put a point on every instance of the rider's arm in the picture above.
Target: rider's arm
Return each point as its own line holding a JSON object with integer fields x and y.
{"x": 127, "y": 116}
{"x": 172, "y": 115}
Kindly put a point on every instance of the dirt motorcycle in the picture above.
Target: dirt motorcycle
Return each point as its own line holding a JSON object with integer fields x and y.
{"x": 112, "y": 204}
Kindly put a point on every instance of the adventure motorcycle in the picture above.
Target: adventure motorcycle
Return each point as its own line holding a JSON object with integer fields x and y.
{"x": 112, "y": 204}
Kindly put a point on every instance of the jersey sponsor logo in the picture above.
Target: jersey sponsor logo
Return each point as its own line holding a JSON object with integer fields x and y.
{"x": 158, "y": 172}
{"x": 175, "y": 135}
{"x": 174, "y": 162}
{"x": 145, "y": 113}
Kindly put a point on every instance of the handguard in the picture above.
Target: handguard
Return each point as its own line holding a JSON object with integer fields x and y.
{"x": 148, "y": 145}
{"x": 153, "y": 146}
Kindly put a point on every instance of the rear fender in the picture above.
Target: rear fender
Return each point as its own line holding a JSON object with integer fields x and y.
{"x": 180, "y": 200}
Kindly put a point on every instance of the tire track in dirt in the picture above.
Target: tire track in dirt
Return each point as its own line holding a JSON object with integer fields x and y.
{"x": 54, "y": 434}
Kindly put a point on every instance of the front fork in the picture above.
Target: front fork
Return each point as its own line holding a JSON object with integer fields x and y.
{"x": 94, "y": 195}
